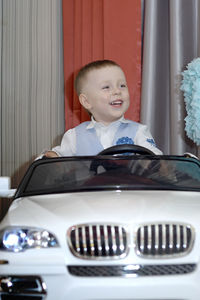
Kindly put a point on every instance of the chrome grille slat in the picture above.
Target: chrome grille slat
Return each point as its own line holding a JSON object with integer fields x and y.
{"x": 170, "y": 236}
{"x": 121, "y": 244}
{"x": 178, "y": 237}
{"x": 99, "y": 248}
{"x": 113, "y": 236}
{"x": 106, "y": 239}
{"x": 163, "y": 240}
{"x": 149, "y": 239}
{"x": 91, "y": 239}
{"x": 156, "y": 238}
{"x": 98, "y": 241}
{"x": 142, "y": 239}
{"x": 77, "y": 240}
{"x": 184, "y": 237}
{"x": 84, "y": 241}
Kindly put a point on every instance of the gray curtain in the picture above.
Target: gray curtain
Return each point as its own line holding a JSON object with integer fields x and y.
{"x": 31, "y": 84}
{"x": 170, "y": 42}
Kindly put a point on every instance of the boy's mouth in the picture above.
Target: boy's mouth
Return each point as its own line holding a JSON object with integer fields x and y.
{"x": 116, "y": 103}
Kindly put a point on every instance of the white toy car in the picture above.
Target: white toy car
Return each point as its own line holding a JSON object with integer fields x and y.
{"x": 105, "y": 227}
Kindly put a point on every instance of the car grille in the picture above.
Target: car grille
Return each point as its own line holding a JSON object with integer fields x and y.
{"x": 98, "y": 241}
{"x": 131, "y": 270}
{"x": 154, "y": 240}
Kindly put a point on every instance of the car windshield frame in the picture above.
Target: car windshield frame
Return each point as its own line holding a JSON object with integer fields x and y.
{"x": 109, "y": 178}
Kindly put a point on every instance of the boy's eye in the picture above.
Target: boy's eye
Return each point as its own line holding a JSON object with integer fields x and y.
{"x": 105, "y": 87}
{"x": 123, "y": 85}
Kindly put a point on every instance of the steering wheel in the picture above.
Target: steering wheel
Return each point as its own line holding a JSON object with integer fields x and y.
{"x": 119, "y": 150}
{"x": 124, "y": 148}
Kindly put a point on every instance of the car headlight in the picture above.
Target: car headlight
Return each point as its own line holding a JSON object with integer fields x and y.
{"x": 18, "y": 239}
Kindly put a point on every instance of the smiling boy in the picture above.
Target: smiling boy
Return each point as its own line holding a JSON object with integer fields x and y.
{"x": 102, "y": 90}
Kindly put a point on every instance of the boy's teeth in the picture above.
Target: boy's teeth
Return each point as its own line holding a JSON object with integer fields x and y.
{"x": 116, "y": 102}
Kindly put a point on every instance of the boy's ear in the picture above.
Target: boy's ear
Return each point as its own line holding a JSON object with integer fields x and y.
{"x": 84, "y": 101}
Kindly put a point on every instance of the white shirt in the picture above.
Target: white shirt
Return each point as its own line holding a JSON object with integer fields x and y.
{"x": 106, "y": 135}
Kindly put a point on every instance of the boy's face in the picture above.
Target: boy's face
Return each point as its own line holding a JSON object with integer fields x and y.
{"x": 105, "y": 94}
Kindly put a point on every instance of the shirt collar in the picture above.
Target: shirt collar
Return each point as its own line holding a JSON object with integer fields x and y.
{"x": 95, "y": 124}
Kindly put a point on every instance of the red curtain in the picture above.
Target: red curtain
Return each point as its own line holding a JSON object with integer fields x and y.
{"x": 101, "y": 29}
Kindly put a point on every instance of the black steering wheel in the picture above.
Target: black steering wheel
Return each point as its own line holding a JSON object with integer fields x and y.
{"x": 119, "y": 150}
{"x": 126, "y": 148}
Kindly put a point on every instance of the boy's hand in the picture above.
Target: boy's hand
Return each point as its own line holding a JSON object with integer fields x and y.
{"x": 50, "y": 154}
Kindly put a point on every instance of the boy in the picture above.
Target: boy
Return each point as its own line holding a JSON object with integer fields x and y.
{"x": 102, "y": 90}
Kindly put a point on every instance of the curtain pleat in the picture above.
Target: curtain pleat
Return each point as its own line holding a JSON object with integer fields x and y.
{"x": 32, "y": 83}
{"x": 170, "y": 42}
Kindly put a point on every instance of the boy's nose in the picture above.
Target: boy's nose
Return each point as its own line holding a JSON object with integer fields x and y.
{"x": 116, "y": 91}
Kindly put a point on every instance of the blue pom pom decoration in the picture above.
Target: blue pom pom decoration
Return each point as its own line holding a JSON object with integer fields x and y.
{"x": 190, "y": 85}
